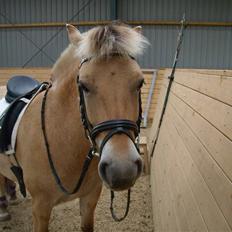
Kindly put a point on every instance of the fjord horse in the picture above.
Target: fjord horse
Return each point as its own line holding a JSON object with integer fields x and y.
{"x": 110, "y": 79}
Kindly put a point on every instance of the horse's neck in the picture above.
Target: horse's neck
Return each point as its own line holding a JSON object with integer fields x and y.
{"x": 63, "y": 106}
{"x": 66, "y": 66}
{"x": 64, "y": 116}
{"x": 65, "y": 88}
{"x": 64, "y": 93}
{"x": 64, "y": 99}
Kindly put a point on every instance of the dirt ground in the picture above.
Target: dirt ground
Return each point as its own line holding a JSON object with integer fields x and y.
{"x": 65, "y": 217}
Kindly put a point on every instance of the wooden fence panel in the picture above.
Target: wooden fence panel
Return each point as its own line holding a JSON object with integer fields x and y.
{"x": 40, "y": 74}
{"x": 215, "y": 86}
{"x": 193, "y": 155}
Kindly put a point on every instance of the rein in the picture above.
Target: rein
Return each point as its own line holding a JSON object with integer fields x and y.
{"x": 117, "y": 126}
{"x": 86, "y": 163}
{"x": 112, "y": 206}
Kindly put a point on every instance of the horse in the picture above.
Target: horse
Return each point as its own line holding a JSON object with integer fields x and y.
{"x": 99, "y": 67}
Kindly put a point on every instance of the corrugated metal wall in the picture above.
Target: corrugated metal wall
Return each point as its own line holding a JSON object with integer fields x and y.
{"x": 202, "y": 48}
{"x": 16, "y": 50}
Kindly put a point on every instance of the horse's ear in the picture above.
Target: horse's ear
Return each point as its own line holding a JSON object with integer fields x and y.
{"x": 138, "y": 29}
{"x": 74, "y": 35}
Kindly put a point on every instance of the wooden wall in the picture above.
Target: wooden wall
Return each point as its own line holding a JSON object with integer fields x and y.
{"x": 43, "y": 74}
{"x": 191, "y": 168}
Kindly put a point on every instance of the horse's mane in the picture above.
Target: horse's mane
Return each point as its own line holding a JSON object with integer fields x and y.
{"x": 101, "y": 41}
{"x": 110, "y": 39}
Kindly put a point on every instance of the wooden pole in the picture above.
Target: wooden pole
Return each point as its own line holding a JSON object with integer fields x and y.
{"x": 95, "y": 23}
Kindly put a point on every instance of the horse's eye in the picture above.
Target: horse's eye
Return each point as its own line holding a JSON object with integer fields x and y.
{"x": 83, "y": 86}
{"x": 140, "y": 85}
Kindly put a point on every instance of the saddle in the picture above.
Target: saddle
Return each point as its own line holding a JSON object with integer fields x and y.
{"x": 18, "y": 86}
{"x": 20, "y": 90}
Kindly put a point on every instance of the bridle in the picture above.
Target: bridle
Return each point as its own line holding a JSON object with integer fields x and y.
{"x": 116, "y": 126}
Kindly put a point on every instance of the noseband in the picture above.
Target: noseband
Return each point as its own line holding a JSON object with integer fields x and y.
{"x": 116, "y": 126}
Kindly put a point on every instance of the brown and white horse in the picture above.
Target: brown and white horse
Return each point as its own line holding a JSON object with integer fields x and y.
{"x": 111, "y": 85}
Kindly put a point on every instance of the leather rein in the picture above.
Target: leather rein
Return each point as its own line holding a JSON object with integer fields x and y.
{"x": 117, "y": 126}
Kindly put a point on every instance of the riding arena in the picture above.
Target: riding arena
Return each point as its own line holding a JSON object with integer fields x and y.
{"x": 115, "y": 115}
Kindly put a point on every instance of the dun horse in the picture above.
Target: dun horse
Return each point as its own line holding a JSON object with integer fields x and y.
{"x": 109, "y": 80}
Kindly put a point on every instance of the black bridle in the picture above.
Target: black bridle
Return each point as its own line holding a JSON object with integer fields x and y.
{"x": 116, "y": 126}
{"x": 112, "y": 127}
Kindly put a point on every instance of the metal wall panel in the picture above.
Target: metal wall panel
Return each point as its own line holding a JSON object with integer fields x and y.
{"x": 197, "y": 10}
{"x": 15, "y": 49}
{"x": 203, "y": 47}
{"x": 28, "y": 11}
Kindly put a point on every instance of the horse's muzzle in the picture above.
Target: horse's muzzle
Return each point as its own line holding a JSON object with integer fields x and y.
{"x": 119, "y": 169}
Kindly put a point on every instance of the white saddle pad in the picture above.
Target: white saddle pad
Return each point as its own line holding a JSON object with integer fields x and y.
{"x": 3, "y": 105}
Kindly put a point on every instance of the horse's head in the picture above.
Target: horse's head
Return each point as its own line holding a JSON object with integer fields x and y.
{"x": 110, "y": 80}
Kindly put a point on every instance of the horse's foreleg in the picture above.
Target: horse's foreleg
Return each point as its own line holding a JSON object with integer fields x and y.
{"x": 87, "y": 207}
{"x": 41, "y": 209}
{"x": 11, "y": 192}
{"x": 4, "y": 214}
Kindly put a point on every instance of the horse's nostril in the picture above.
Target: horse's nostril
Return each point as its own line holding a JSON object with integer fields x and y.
{"x": 103, "y": 166}
{"x": 139, "y": 164}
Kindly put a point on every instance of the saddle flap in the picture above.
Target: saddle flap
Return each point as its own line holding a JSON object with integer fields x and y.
{"x": 7, "y": 123}
{"x": 10, "y": 116}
